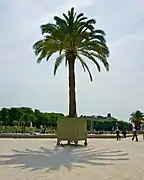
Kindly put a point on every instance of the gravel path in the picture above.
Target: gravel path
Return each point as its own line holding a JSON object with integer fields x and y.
{"x": 39, "y": 159}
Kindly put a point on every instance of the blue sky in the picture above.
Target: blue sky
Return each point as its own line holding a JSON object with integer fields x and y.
{"x": 23, "y": 82}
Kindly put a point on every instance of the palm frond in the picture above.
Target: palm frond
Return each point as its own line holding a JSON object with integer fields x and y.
{"x": 47, "y": 28}
{"x": 71, "y": 14}
{"x": 91, "y": 21}
{"x": 101, "y": 49}
{"x": 81, "y": 19}
{"x": 99, "y": 38}
{"x": 66, "y": 17}
{"x": 38, "y": 46}
{"x": 79, "y": 16}
{"x": 103, "y": 59}
{"x": 59, "y": 21}
{"x": 58, "y": 62}
{"x": 85, "y": 67}
{"x": 46, "y": 48}
{"x": 90, "y": 57}
{"x": 49, "y": 54}
{"x": 42, "y": 55}
{"x": 99, "y": 31}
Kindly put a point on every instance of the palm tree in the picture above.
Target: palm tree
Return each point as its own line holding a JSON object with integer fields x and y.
{"x": 73, "y": 37}
{"x": 137, "y": 118}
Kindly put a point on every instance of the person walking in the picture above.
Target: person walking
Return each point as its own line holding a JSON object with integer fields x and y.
{"x": 112, "y": 131}
{"x": 117, "y": 133}
{"x": 135, "y": 133}
{"x": 124, "y": 132}
{"x": 142, "y": 130}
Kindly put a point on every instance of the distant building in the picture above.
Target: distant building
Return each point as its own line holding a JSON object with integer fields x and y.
{"x": 109, "y": 115}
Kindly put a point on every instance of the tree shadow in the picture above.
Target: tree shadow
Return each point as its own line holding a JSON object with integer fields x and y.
{"x": 68, "y": 157}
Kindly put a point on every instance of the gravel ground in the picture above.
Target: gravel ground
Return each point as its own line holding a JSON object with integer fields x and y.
{"x": 39, "y": 159}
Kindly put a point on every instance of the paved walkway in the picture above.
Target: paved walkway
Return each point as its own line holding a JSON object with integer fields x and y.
{"x": 39, "y": 159}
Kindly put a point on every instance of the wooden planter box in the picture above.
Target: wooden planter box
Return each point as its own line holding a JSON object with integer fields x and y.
{"x": 72, "y": 129}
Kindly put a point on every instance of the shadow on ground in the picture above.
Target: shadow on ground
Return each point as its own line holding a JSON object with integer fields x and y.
{"x": 68, "y": 157}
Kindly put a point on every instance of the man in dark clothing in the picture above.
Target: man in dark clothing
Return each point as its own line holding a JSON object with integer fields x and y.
{"x": 124, "y": 132}
{"x": 44, "y": 130}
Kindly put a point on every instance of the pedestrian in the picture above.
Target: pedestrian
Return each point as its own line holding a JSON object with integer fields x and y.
{"x": 124, "y": 132}
{"x": 112, "y": 130}
{"x": 135, "y": 133}
{"x": 117, "y": 133}
{"x": 44, "y": 130}
{"x": 142, "y": 130}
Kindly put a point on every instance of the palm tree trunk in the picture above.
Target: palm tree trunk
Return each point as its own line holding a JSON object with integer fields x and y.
{"x": 72, "y": 93}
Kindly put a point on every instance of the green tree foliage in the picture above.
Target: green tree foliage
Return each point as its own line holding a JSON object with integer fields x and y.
{"x": 137, "y": 117}
{"x": 23, "y": 116}
{"x": 73, "y": 37}
{"x": 4, "y": 115}
{"x": 102, "y": 123}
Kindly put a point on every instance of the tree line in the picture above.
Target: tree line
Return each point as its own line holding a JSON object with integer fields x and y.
{"x": 25, "y": 116}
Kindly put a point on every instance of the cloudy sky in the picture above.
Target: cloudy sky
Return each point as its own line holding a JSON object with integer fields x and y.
{"x": 23, "y": 82}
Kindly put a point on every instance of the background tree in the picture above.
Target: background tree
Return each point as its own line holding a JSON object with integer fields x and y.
{"x": 26, "y": 119}
{"x": 137, "y": 118}
{"x": 5, "y": 116}
{"x": 73, "y": 37}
